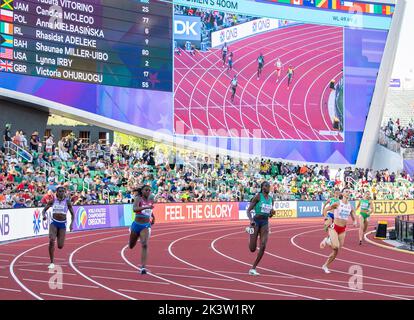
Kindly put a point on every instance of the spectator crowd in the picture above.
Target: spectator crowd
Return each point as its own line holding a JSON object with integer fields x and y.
{"x": 95, "y": 173}
{"x": 212, "y": 20}
{"x": 404, "y": 135}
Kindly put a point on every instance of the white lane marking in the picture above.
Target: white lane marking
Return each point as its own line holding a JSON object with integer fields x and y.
{"x": 12, "y": 290}
{"x": 123, "y": 263}
{"x": 107, "y": 269}
{"x": 308, "y": 287}
{"x": 61, "y": 296}
{"x": 165, "y": 294}
{"x": 12, "y": 265}
{"x": 64, "y": 283}
{"x": 185, "y": 228}
{"x": 292, "y": 240}
{"x": 89, "y": 278}
{"x": 225, "y": 276}
{"x": 44, "y": 271}
{"x": 247, "y": 291}
{"x": 262, "y": 275}
{"x": 195, "y": 277}
{"x": 170, "y": 281}
{"x": 371, "y": 284}
{"x": 130, "y": 280}
{"x": 403, "y": 295}
{"x": 46, "y": 258}
{"x": 294, "y": 261}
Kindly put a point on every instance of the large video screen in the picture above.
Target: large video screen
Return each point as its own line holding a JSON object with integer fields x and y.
{"x": 287, "y": 78}
{"x": 99, "y": 42}
{"x": 294, "y": 76}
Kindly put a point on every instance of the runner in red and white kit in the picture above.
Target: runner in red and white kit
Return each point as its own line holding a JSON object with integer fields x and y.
{"x": 279, "y": 66}
{"x": 342, "y": 210}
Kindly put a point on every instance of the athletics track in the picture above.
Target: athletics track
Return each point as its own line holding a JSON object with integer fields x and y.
{"x": 205, "y": 261}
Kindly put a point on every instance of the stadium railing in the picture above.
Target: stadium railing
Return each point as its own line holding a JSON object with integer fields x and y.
{"x": 19, "y": 151}
{"x": 388, "y": 142}
{"x": 404, "y": 229}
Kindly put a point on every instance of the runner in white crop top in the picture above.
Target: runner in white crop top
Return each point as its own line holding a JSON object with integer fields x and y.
{"x": 342, "y": 211}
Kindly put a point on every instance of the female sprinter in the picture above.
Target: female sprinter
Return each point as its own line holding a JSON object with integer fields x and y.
{"x": 365, "y": 212}
{"x": 262, "y": 204}
{"x": 329, "y": 216}
{"x": 57, "y": 228}
{"x": 278, "y": 65}
{"x": 342, "y": 210}
{"x": 290, "y": 74}
{"x": 233, "y": 85}
{"x": 141, "y": 227}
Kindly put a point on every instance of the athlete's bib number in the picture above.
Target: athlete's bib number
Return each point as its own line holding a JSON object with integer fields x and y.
{"x": 266, "y": 208}
{"x": 146, "y": 212}
{"x": 344, "y": 214}
{"x": 59, "y": 208}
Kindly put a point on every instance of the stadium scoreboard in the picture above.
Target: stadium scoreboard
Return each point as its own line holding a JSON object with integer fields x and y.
{"x": 125, "y": 43}
{"x": 156, "y": 66}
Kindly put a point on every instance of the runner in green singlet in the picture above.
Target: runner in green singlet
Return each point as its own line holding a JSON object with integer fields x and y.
{"x": 329, "y": 215}
{"x": 290, "y": 72}
{"x": 262, "y": 204}
{"x": 365, "y": 211}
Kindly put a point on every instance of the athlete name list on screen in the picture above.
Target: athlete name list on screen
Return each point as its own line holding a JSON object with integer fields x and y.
{"x": 121, "y": 43}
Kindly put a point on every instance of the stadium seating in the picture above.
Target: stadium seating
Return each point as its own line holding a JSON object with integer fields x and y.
{"x": 206, "y": 179}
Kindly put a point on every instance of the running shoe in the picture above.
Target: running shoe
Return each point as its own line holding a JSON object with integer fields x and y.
{"x": 325, "y": 268}
{"x": 51, "y": 266}
{"x": 143, "y": 271}
{"x": 253, "y": 272}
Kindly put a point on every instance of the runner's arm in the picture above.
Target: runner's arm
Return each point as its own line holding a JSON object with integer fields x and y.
{"x": 253, "y": 203}
{"x": 370, "y": 208}
{"x": 325, "y": 208}
{"x": 354, "y": 217}
{"x": 137, "y": 208}
{"x": 48, "y": 206}
{"x": 331, "y": 207}
{"x": 70, "y": 208}
{"x": 272, "y": 212}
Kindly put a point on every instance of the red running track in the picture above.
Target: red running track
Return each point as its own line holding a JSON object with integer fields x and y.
{"x": 262, "y": 108}
{"x": 205, "y": 261}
